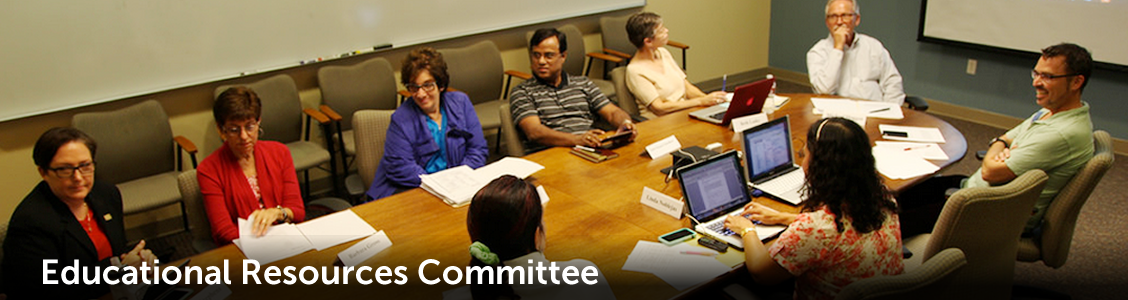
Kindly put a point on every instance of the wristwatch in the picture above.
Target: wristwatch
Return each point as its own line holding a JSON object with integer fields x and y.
{"x": 997, "y": 139}
{"x": 744, "y": 232}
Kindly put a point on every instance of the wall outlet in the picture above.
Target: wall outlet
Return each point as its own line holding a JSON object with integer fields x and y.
{"x": 971, "y": 65}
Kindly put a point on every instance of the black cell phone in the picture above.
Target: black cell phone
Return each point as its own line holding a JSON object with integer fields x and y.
{"x": 711, "y": 243}
{"x": 895, "y": 133}
{"x": 616, "y": 140}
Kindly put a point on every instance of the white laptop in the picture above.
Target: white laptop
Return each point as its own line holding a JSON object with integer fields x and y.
{"x": 771, "y": 168}
{"x": 714, "y": 189}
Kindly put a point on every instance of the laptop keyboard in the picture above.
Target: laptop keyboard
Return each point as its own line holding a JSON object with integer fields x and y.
{"x": 787, "y": 182}
{"x": 719, "y": 227}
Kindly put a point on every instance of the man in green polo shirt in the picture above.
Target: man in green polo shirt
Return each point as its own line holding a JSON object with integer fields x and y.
{"x": 1057, "y": 139}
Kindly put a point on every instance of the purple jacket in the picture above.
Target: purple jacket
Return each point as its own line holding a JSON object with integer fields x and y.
{"x": 409, "y": 146}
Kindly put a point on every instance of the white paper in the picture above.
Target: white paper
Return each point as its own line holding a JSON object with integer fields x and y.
{"x": 665, "y": 204}
{"x": 916, "y": 134}
{"x": 280, "y": 241}
{"x": 744, "y": 123}
{"x": 872, "y": 109}
{"x": 357, "y": 254}
{"x": 679, "y": 270}
{"x": 509, "y": 166}
{"x": 778, "y": 100}
{"x": 663, "y": 147}
{"x": 858, "y": 118}
{"x": 900, "y": 165}
{"x": 456, "y": 186}
{"x": 543, "y": 195}
{"x": 930, "y": 151}
{"x": 335, "y": 229}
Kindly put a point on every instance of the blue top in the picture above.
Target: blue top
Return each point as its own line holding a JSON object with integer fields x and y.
{"x": 437, "y": 162}
{"x": 408, "y": 147}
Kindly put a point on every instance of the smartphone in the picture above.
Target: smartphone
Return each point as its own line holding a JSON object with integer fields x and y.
{"x": 677, "y": 236}
{"x": 714, "y": 244}
{"x": 895, "y": 133}
{"x": 616, "y": 140}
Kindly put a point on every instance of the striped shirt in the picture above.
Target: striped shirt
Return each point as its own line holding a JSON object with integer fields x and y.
{"x": 570, "y": 108}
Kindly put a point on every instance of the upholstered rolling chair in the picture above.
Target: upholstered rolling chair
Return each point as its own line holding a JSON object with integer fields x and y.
{"x": 282, "y": 122}
{"x": 984, "y": 222}
{"x": 136, "y": 153}
{"x": 626, "y": 99}
{"x": 346, "y": 89}
{"x": 925, "y": 282}
{"x": 370, "y": 128}
{"x": 616, "y": 41}
{"x": 916, "y": 103}
{"x": 576, "y": 64}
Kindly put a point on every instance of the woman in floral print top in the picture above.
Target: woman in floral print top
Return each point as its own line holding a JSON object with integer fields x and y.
{"x": 847, "y": 228}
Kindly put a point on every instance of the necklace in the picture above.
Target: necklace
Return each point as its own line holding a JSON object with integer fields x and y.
{"x": 87, "y": 222}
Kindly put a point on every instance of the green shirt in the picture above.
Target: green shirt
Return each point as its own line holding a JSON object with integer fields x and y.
{"x": 1059, "y": 145}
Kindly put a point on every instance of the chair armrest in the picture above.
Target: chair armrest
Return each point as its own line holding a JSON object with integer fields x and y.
{"x": 329, "y": 112}
{"x": 186, "y": 145}
{"x": 916, "y": 103}
{"x": 519, "y": 74}
{"x": 404, "y": 93}
{"x": 677, "y": 45}
{"x": 316, "y": 115}
{"x": 616, "y": 53}
{"x": 606, "y": 57}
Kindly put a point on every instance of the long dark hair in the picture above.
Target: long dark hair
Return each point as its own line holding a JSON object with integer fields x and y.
{"x": 841, "y": 175}
{"x": 505, "y": 215}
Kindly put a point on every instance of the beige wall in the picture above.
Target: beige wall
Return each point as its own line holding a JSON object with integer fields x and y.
{"x": 725, "y": 37}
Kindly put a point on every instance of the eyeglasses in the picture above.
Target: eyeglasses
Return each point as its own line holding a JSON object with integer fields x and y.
{"x": 1046, "y": 76}
{"x": 846, "y": 17}
{"x": 546, "y": 55}
{"x": 233, "y": 131}
{"x": 87, "y": 170}
{"x": 429, "y": 86}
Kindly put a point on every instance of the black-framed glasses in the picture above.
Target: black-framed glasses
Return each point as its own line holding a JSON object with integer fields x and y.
{"x": 847, "y": 17}
{"x": 429, "y": 86}
{"x": 86, "y": 168}
{"x": 233, "y": 131}
{"x": 1047, "y": 76}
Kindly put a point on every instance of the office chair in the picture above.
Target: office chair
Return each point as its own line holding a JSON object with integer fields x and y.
{"x": 626, "y": 99}
{"x": 282, "y": 122}
{"x": 370, "y": 128}
{"x": 477, "y": 70}
{"x": 346, "y": 89}
{"x": 928, "y": 281}
{"x": 138, "y": 155}
{"x": 985, "y": 223}
{"x": 514, "y": 144}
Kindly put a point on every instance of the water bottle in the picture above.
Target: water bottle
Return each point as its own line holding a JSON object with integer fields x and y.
{"x": 769, "y": 104}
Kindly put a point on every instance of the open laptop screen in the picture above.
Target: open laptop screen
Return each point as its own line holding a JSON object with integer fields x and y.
{"x": 714, "y": 187}
{"x": 768, "y": 148}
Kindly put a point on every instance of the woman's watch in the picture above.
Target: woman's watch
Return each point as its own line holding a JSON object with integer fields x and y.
{"x": 744, "y": 232}
{"x": 285, "y": 216}
{"x": 997, "y": 139}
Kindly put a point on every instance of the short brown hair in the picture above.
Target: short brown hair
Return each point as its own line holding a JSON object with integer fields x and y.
{"x": 1077, "y": 59}
{"x": 425, "y": 59}
{"x": 236, "y": 103}
{"x": 49, "y": 143}
{"x": 641, "y": 26}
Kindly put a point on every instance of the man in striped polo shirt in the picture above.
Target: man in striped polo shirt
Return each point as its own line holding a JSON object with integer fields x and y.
{"x": 558, "y": 109}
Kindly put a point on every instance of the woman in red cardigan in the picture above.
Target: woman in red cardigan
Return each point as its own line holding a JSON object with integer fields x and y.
{"x": 247, "y": 178}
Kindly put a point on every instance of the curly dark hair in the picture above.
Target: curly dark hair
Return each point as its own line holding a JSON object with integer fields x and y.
{"x": 425, "y": 59}
{"x": 841, "y": 175}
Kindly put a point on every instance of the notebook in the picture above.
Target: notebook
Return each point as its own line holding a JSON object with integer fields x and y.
{"x": 746, "y": 100}
{"x": 771, "y": 168}
{"x": 714, "y": 189}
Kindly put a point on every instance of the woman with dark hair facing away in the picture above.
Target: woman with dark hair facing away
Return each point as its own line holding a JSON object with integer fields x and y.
{"x": 658, "y": 84}
{"x": 434, "y": 130}
{"x": 247, "y": 178}
{"x": 67, "y": 217}
{"x": 505, "y": 225}
{"x": 847, "y": 228}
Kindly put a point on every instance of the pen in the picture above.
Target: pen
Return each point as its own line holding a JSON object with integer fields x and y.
{"x": 699, "y": 253}
{"x": 879, "y": 110}
{"x": 724, "y": 82}
{"x": 917, "y": 147}
{"x": 585, "y": 149}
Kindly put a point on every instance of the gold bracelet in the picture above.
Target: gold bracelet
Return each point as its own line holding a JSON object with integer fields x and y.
{"x": 746, "y": 230}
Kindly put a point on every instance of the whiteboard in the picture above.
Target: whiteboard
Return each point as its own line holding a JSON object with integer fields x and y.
{"x": 57, "y": 55}
{"x": 1030, "y": 25}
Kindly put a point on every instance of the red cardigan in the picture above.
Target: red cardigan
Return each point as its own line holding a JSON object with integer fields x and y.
{"x": 228, "y": 196}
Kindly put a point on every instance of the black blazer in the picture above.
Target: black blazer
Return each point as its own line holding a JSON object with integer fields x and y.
{"x": 42, "y": 227}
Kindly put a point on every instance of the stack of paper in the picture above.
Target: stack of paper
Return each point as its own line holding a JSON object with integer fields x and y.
{"x": 912, "y": 133}
{"x": 898, "y": 164}
{"x": 669, "y": 263}
{"x": 845, "y": 107}
{"x": 929, "y": 151}
{"x": 285, "y": 240}
{"x": 456, "y": 186}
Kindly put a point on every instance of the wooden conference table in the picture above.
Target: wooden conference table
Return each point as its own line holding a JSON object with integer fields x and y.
{"x": 594, "y": 214}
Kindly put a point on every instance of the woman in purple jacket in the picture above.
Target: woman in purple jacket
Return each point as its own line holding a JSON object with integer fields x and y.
{"x": 434, "y": 130}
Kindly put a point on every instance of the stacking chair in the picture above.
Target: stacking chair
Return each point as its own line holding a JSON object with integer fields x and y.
{"x": 625, "y": 98}
{"x": 926, "y": 282}
{"x": 477, "y": 71}
{"x": 514, "y": 144}
{"x": 346, "y": 89}
{"x": 370, "y": 128}
{"x": 576, "y": 65}
{"x": 984, "y": 222}
{"x": 137, "y": 155}
{"x": 282, "y": 122}
{"x": 197, "y": 215}
{"x": 616, "y": 41}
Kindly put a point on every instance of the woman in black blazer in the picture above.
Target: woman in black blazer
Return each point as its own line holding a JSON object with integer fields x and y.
{"x": 66, "y": 217}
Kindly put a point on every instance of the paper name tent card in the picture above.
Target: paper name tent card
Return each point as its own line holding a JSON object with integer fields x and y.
{"x": 456, "y": 186}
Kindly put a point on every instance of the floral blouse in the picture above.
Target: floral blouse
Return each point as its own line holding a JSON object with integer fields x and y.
{"x": 824, "y": 260}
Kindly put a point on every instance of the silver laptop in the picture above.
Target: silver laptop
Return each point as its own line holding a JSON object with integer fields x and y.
{"x": 746, "y": 100}
{"x": 771, "y": 168}
{"x": 714, "y": 189}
